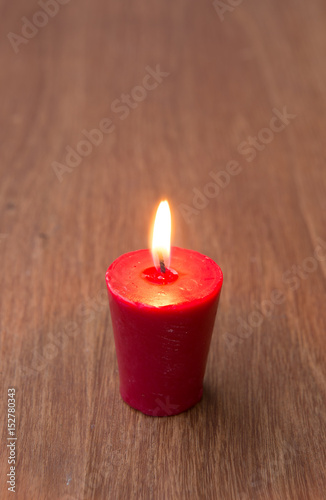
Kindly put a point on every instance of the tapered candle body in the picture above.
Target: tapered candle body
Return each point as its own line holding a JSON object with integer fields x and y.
{"x": 162, "y": 327}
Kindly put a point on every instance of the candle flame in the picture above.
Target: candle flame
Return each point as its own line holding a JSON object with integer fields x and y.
{"x": 161, "y": 242}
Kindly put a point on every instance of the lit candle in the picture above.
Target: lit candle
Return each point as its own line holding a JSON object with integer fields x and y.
{"x": 163, "y": 306}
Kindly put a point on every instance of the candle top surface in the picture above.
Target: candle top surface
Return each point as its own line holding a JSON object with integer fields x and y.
{"x": 192, "y": 279}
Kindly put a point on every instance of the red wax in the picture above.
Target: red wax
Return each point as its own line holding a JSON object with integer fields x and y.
{"x": 162, "y": 325}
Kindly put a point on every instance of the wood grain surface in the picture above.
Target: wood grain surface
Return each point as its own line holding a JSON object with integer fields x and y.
{"x": 189, "y": 94}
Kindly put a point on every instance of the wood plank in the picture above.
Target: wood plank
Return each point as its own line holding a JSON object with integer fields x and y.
{"x": 259, "y": 431}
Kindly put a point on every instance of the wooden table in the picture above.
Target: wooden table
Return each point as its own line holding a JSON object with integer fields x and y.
{"x": 181, "y": 92}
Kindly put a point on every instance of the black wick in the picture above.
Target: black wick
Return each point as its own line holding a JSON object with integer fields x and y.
{"x": 162, "y": 265}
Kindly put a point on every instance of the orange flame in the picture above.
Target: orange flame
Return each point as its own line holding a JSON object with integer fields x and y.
{"x": 161, "y": 242}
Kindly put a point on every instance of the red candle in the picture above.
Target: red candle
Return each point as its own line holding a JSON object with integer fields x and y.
{"x": 163, "y": 317}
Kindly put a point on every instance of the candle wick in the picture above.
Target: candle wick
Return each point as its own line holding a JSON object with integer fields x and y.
{"x": 162, "y": 265}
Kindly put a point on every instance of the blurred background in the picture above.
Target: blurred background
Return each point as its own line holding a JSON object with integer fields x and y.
{"x": 106, "y": 109}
